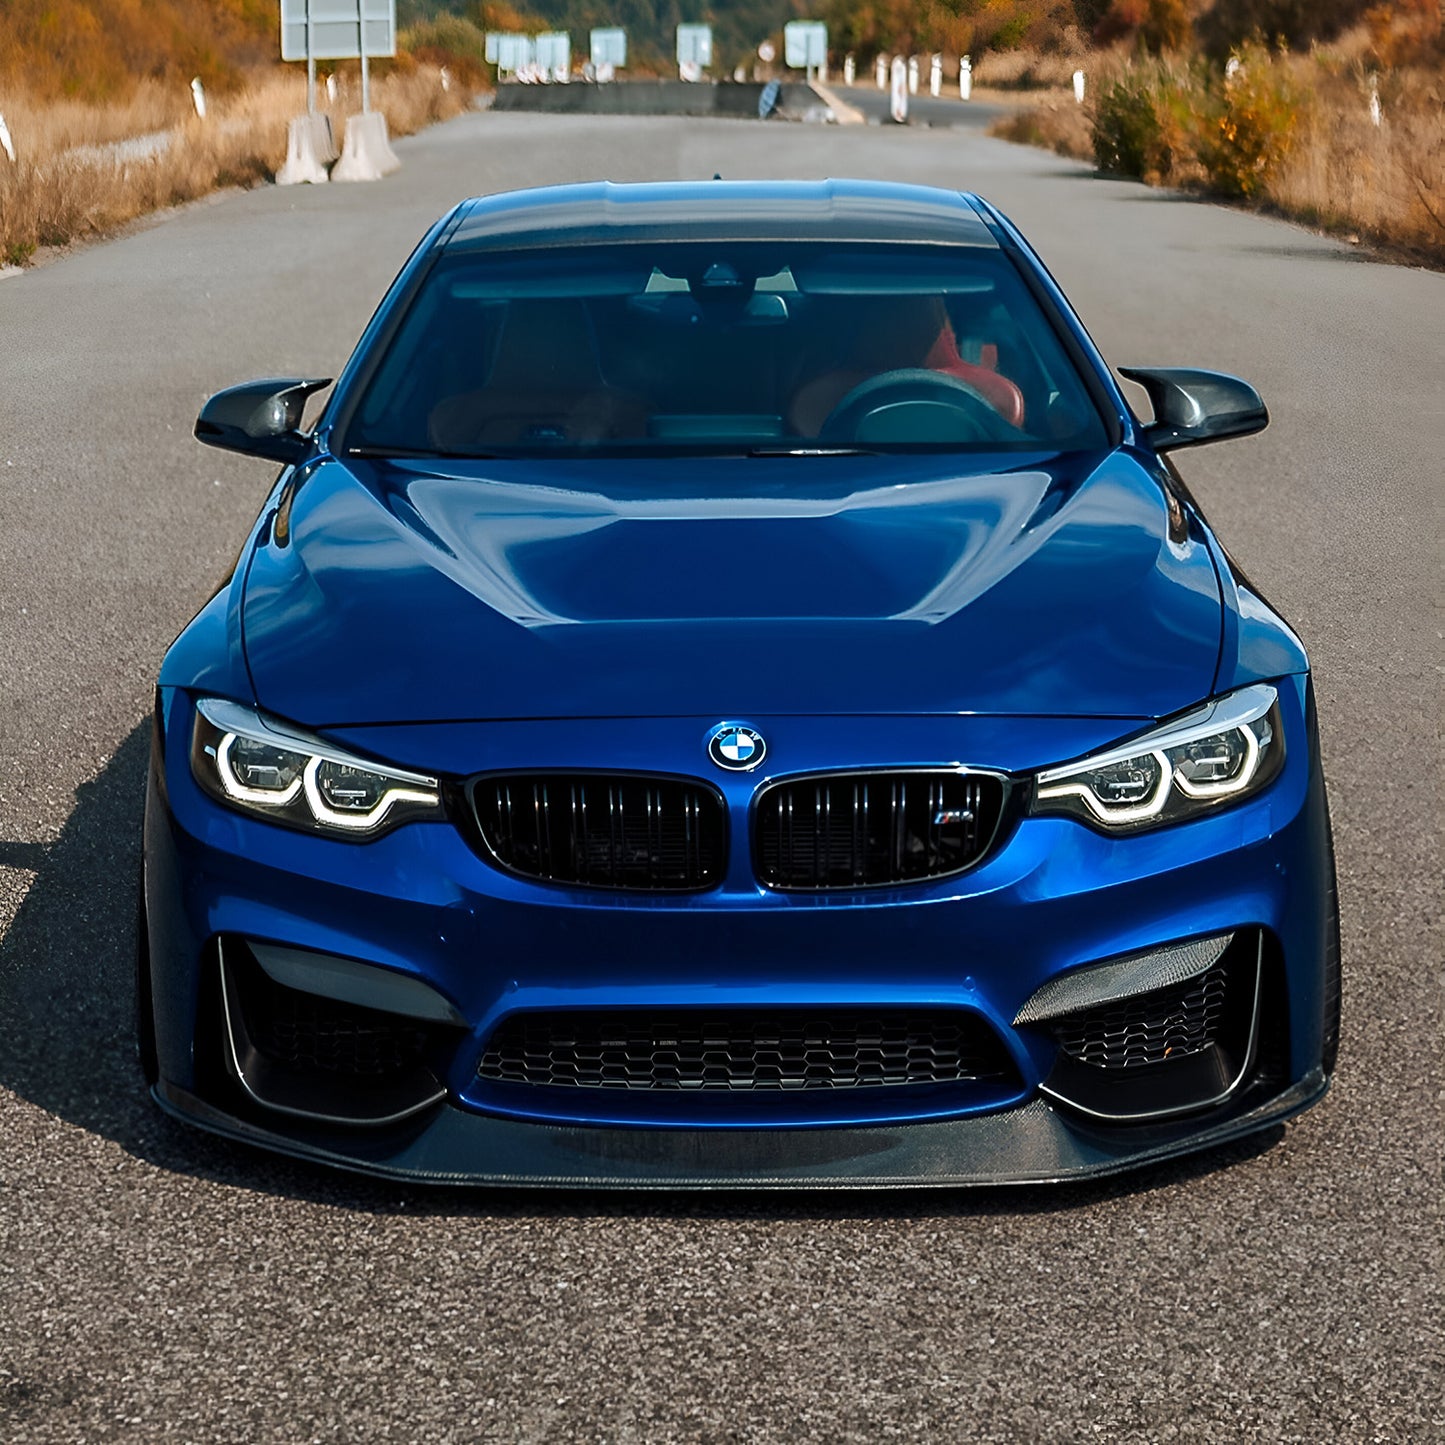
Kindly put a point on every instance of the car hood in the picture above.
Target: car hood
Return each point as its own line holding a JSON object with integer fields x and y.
{"x": 395, "y": 592}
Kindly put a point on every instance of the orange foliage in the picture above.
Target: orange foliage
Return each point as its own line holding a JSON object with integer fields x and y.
{"x": 100, "y": 49}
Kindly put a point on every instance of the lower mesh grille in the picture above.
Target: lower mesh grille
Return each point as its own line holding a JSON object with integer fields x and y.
{"x": 742, "y": 1051}
{"x": 323, "y": 1035}
{"x": 1170, "y": 1023}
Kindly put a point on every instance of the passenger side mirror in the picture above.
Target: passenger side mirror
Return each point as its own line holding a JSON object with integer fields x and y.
{"x": 259, "y": 418}
{"x": 1193, "y": 406}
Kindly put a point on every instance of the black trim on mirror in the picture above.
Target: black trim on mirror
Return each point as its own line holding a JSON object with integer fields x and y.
{"x": 260, "y": 418}
{"x": 1193, "y": 406}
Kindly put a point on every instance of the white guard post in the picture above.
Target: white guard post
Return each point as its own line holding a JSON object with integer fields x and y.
{"x": 880, "y": 72}
{"x": 913, "y": 75}
{"x": 898, "y": 99}
{"x": 1079, "y": 86}
{"x": 6, "y": 144}
{"x": 965, "y": 78}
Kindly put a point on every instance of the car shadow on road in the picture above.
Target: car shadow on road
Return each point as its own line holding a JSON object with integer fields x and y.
{"x": 67, "y": 1005}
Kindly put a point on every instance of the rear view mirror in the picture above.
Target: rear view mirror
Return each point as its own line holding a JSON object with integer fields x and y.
{"x": 259, "y": 418}
{"x": 1192, "y": 406}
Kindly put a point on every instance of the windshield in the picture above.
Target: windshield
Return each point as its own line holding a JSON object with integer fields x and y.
{"x": 716, "y": 349}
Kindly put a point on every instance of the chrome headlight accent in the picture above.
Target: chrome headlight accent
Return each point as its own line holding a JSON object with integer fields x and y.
{"x": 262, "y": 766}
{"x": 1228, "y": 749}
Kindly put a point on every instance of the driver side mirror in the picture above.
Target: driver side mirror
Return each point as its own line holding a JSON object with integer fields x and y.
{"x": 1192, "y": 406}
{"x": 260, "y": 418}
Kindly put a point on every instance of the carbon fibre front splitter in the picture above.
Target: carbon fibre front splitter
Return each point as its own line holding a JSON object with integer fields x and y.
{"x": 1035, "y": 1144}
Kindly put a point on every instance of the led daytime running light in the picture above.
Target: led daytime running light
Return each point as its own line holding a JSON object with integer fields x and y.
{"x": 221, "y": 725}
{"x": 1247, "y": 719}
{"x": 235, "y": 788}
{"x": 327, "y": 814}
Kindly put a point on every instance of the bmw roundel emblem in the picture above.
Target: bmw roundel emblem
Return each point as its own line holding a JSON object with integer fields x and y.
{"x": 735, "y": 748}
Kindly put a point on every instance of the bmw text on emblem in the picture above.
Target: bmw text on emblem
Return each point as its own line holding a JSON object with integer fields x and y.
{"x": 737, "y": 749}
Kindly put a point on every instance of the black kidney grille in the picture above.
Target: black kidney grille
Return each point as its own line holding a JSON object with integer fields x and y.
{"x": 741, "y": 1051}
{"x": 860, "y": 830}
{"x": 1170, "y": 1023}
{"x": 604, "y": 831}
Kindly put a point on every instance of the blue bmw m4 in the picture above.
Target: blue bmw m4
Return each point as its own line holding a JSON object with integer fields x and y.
{"x": 727, "y": 693}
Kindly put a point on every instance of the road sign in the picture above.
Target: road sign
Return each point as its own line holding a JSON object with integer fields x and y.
{"x": 514, "y": 52}
{"x": 805, "y": 44}
{"x": 553, "y": 54}
{"x": 338, "y": 29}
{"x": 694, "y": 45}
{"x": 609, "y": 47}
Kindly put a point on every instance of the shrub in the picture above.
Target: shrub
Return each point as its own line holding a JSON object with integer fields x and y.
{"x": 1249, "y": 125}
{"x": 451, "y": 41}
{"x": 1141, "y": 122}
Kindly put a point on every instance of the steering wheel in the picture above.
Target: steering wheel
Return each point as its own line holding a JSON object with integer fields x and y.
{"x": 914, "y": 404}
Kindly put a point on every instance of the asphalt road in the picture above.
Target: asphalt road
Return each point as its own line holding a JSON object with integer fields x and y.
{"x": 156, "y": 1285}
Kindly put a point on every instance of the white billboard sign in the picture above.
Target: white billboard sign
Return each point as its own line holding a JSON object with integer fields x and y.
{"x": 338, "y": 29}
{"x": 694, "y": 45}
{"x": 805, "y": 44}
{"x": 553, "y": 53}
{"x": 515, "y": 52}
{"x": 609, "y": 47}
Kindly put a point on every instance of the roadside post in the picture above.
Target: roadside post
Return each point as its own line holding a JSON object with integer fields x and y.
{"x": 913, "y": 75}
{"x": 880, "y": 72}
{"x": 1079, "y": 86}
{"x": 6, "y": 144}
{"x": 935, "y": 76}
{"x": 849, "y": 70}
{"x": 965, "y": 78}
{"x": 898, "y": 99}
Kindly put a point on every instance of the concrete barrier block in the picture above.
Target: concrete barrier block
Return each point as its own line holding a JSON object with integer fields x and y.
{"x": 326, "y": 146}
{"x": 309, "y": 149}
{"x": 366, "y": 153}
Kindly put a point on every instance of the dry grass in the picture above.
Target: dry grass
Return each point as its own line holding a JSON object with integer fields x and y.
{"x": 1058, "y": 124}
{"x": 1386, "y": 182}
{"x": 1026, "y": 69}
{"x": 62, "y": 188}
{"x": 1337, "y": 170}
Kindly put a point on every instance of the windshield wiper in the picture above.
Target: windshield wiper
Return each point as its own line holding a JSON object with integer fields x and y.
{"x": 402, "y": 453}
{"x": 813, "y": 452}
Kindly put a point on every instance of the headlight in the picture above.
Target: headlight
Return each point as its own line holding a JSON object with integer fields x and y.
{"x": 263, "y": 767}
{"x": 1213, "y": 756}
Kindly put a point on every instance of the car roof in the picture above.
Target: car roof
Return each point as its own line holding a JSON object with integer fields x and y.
{"x": 604, "y": 213}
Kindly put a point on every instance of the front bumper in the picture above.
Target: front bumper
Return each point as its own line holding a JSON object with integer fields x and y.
{"x": 1055, "y": 897}
{"x": 1034, "y": 1144}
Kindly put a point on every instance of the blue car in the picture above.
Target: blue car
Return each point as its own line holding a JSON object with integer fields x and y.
{"x": 727, "y": 694}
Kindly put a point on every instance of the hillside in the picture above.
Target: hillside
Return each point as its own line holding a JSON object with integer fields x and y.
{"x": 98, "y": 50}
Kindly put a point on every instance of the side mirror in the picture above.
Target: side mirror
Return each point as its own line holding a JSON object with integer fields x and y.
{"x": 259, "y": 418}
{"x": 1192, "y": 406}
